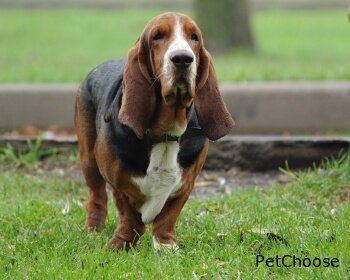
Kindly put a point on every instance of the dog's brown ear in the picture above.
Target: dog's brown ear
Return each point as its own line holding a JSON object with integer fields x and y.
{"x": 212, "y": 113}
{"x": 138, "y": 101}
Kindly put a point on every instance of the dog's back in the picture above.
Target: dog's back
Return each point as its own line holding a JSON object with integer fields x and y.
{"x": 100, "y": 87}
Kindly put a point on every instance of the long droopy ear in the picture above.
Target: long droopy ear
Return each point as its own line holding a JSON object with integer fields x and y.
{"x": 139, "y": 100}
{"x": 212, "y": 113}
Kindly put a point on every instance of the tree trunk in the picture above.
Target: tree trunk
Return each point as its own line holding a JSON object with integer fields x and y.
{"x": 225, "y": 24}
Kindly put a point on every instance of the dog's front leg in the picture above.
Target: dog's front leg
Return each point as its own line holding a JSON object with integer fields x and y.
{"x": 130, "y": 226}
{"x": 163, "y": 230}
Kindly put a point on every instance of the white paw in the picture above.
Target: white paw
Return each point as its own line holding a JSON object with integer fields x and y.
{"x": 164, "y": 247}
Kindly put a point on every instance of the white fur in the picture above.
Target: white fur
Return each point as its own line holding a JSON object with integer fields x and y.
{"x": 163, "y": 177}
{"x": 159, "y": 246}
{"x": 179, "y": 43}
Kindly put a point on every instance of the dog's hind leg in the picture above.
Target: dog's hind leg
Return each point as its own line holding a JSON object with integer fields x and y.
{"x": 85, "y": 125}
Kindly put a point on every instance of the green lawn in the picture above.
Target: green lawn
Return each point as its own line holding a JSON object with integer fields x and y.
{"x": 219, "y": 238}
{"x": 63, "y": 45}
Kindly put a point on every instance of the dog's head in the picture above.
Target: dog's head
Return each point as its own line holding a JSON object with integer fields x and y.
{"x": 166, "y": 72}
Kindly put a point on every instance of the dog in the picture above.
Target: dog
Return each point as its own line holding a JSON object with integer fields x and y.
{"x": 143, "y": 127}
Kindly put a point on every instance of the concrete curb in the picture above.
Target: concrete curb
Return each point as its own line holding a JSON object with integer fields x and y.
{"x": 258, "y": 108}
{"x": 301, "y": 107}
{"x": 40, "y": 105}
{"x": 254, "y": 153}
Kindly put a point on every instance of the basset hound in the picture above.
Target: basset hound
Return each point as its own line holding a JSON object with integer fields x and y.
{"x": 143, "y": 127}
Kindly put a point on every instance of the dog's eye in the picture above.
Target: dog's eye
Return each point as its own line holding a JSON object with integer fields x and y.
{"x": 194, "y": 37}
{"x": 158, "y": 36}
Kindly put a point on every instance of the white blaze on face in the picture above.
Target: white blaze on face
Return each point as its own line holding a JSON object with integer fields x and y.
{"x": 164, "y": 174}
{"x": 179, "y": 43}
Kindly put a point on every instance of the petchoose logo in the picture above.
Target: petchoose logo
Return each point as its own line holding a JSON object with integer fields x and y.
{"x": 293, "y": 261}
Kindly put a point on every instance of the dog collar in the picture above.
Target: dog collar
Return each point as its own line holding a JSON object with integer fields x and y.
{"x": 189, "y": 133}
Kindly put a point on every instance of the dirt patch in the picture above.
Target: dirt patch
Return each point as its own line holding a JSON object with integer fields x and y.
{"x": 217, "y": 183}
{"x": 210, "y": 183}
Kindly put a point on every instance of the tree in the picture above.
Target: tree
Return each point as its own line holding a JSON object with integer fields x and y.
{"x": 225, "y": 24}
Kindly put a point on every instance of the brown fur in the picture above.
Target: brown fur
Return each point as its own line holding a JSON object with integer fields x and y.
{"x": 97, "y": 203}
{"x": 138, "y": 103}
{"x": 213, "y": 115}
{"x": 145, "y": 61}
{"x": 140, "y": 110}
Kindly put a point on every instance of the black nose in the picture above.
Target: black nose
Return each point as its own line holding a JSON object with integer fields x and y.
{"x": 181, "y": 59}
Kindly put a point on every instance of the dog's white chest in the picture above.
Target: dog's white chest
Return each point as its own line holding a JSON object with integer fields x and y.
{"x": 162, "y": 179}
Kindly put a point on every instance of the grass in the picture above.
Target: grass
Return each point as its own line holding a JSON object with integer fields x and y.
{"x": 63, "y": 45}
{"x": 42, "y": 215}
{"x": 29, "y": 156}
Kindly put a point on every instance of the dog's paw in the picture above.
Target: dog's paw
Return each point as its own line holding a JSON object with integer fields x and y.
{"x": 164, "y": 247}
{"x": 94, "y": 225}
{"x": 92, "y": 228}
{"x": 117, "y": 244}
